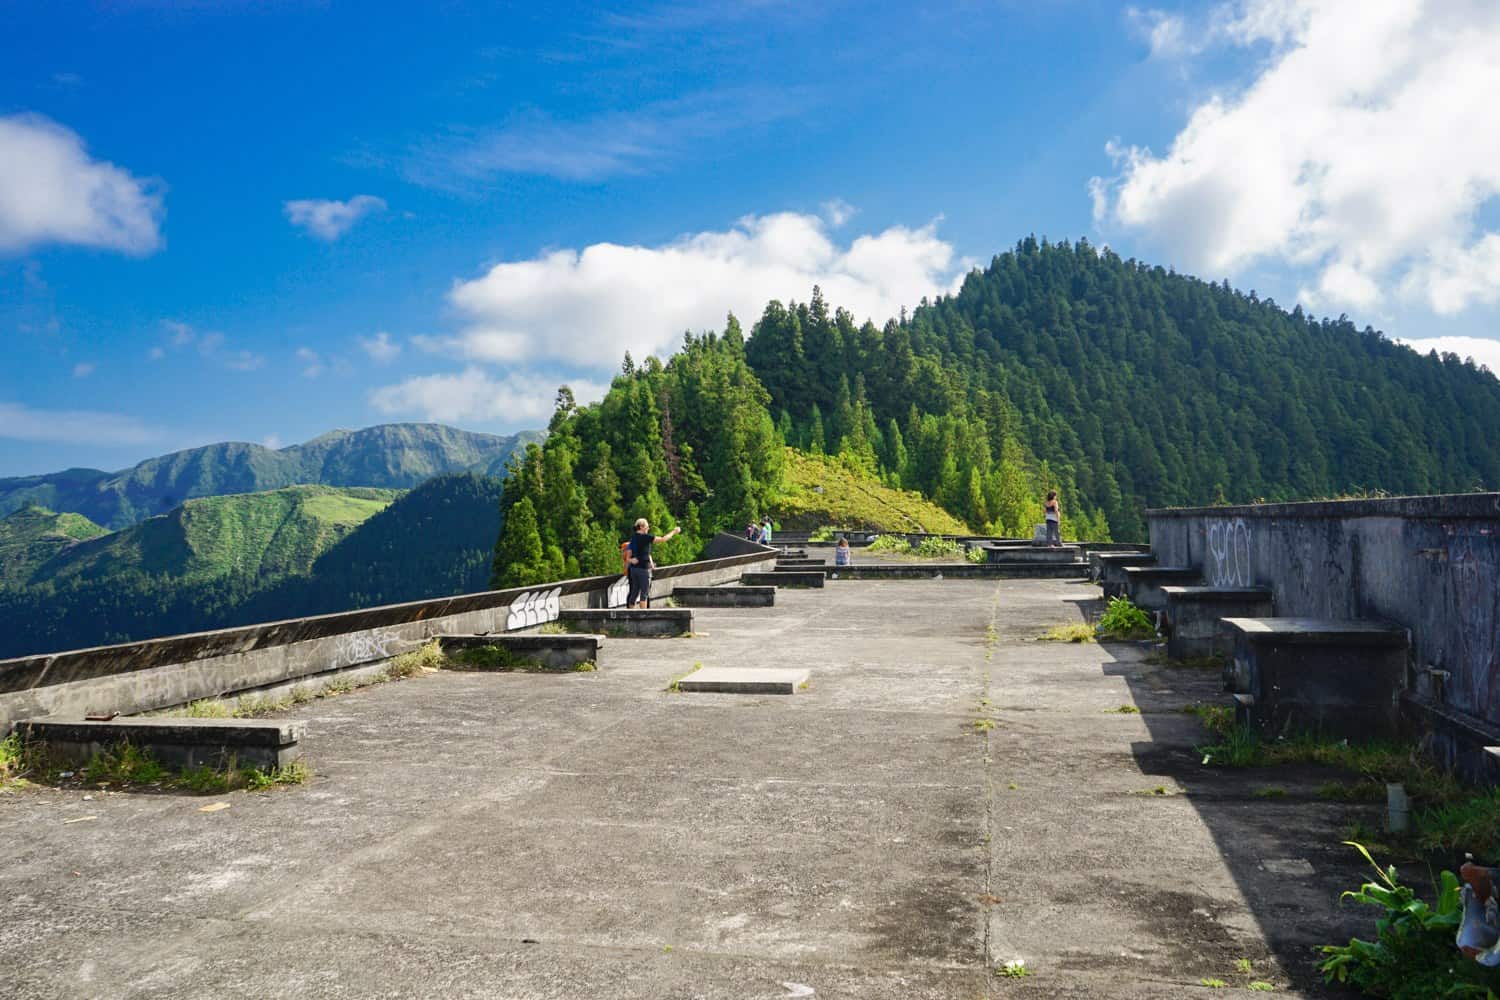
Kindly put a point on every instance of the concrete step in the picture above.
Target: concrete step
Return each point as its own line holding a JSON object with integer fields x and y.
{"x": 784, "y": 578}
{"x": 177, "y": 743}
{"x": 1026, "y": 552}
{"x": 725, "y": 597}
{"x": 1338, "y": 678}
{"x": 1195, "y": 617}
{"x": 960, "y": 571}
{"x": 1108, "y": 568}
{"x": 1143, "y": 583}
{"x": 546, "y": 652}
{"x": 744, "y": 680}
{"x": 628, "y": 622}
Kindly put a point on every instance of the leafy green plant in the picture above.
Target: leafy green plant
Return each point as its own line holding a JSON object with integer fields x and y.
{"x": 1413, "y": 955}
{"x": 1123, "y": 620}
{"x": 893, "y": 544}
{"x": 428, "y": 657}
{"x": 13, "y": 762}
{"x": 823, "y": 534}
{"x": 1014, "y": 969}
{"x": 975, "y": 555}
{"x": 938, "y": 548}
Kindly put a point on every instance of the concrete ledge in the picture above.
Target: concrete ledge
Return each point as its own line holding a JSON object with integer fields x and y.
{"x": 629, "y": 621}
{"x": 1108, "y": 568}
{"x": 784, "y": 578}
{"x": 1026, "y": 552}
{"x": 1143, "y": 583}
{"x": 801, "y": 563}
{"x": 959, "y": 571}
{"x": 738, "y": 680}
{"x": 1334, "y": 677}
{"x": 725, "y": 597}
{"x": 177, "y": 743}
{"x": 1195, "y": 616}
{"x": 1464, "y": 744}
{"x": 550, "y": 652}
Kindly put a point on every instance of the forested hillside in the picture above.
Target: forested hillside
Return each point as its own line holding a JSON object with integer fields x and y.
{"x": 237, "y": 560}
{"x": 1136, "y": 387}
{"x": 391, "y": 456}
{"x": 33, "y": 535}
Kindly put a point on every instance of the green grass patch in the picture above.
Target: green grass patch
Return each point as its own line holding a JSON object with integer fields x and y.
{"x": 491, "y": 658}
{"x": 552, "y": 628}
{"x": 1077, "y": 632}
{"x": 818, "y": 490}
{"x": 14, "y": 763}
{"x": 1122, "y": 620}
{"x": 126, "y": 766}
{"x": 1124, "y": 710}
{"x": 1464, "y": 824}
{"x": 892, "y": 544}
{"x": 429, "y": 657}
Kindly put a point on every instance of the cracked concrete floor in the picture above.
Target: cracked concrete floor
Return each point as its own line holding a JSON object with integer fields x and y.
{"x": 593, "y": 835}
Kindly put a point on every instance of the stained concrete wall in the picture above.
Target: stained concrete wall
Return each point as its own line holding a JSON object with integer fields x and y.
{"x": 1430, "y": 564}
{"x": 160, "y": 673}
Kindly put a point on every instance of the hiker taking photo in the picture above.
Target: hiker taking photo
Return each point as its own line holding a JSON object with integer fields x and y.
{"x": 638, "y": 562}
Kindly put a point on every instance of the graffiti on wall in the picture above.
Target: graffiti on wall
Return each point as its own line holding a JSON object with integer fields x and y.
{"x": 533, "y": 608}
{"x": 362, "y": 647}
{"x": 1228, "y": 563}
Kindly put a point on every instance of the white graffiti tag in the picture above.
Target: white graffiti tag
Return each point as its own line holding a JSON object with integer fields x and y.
{"x": 1229, "y": 554}
{"x": 362, "y": 647}
{"x": 533, "y": 608}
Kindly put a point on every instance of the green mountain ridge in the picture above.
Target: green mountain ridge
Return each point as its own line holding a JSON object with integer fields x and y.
{"x": 389, "y": 456}
{"x": 33, "y": 535}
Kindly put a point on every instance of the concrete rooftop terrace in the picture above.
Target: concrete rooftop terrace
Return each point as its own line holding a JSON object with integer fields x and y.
{"x": 595, "y": 835}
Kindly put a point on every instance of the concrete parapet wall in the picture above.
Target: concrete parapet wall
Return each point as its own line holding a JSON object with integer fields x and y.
{"x": 160, "y": 673}
{"x": 1429, "y": 564}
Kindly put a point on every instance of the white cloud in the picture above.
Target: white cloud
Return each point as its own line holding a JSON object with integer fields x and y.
{"x": 516, "y": 398}
{"x": 52, "y": 191}
{"x": 1483, "y": 350}
{"x": 328, "y": 220}
{"x": 211, "y": 345}
{"x": 588, "y": 307}
{"x": 272, "y": 441}
{"x": 83, "y": 369}
{"x": 838, "y": 211}
{"x": 312, "y": 365}
{"x": 381, "y": 349}
{"x": 243, "y": 361}
{"x": 1167, "y": 34}
{"x": 1361, "y": 153}
{"x": 20, "y": 422}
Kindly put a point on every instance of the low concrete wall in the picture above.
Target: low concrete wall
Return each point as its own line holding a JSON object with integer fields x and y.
{"x": 159, "y": 673}
{"x": 1429, "y": 564}
{"x": 179, "y": 743}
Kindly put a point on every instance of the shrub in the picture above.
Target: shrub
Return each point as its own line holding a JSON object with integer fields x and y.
{"x": 1123, "y": 620}
{"x": 890, "y": 543}
{"x": 934, "y": 548}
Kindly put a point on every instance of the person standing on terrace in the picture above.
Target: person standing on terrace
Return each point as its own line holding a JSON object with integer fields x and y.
{"x": 1053, "y": 519}
{"x": 639, "y": 563}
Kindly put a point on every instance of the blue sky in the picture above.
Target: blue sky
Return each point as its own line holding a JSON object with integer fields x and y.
{"x": 261, "y": 221}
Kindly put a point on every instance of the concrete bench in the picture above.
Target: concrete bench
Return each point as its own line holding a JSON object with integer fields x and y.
{"x": 637, "y": 622}
{"x": 792, "y": 554}
{"x": 957, "y": 571}
{"x": 1336, "y": 678}
{"x": 548, "y": 652}
{"x": 1108, "y": 569}
{"x": 801, "y": 563}
{"x": 785, "y": 578}
{"x": 1143, "y": 583}
{"x": 1195, "y": 617}
{"x": 744, "y": 680}
{"x": 725, "y": 597}
{"x": 176, "y": 743}
{"x": 1028, "y": 553}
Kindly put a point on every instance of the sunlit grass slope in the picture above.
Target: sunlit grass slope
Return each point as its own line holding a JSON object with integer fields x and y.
{"x": 852, "y": 499}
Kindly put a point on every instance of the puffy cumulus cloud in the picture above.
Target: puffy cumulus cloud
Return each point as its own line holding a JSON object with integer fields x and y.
{"x": 1361, "y": 153}
{"x": 52, "y": 191}
{"x": 20, "y": 422}
{"x": 515, "y": 399}
{"x": 588, "y": 307}
{"x": 328, "y": 220}
{"x": 1484, "y": 351}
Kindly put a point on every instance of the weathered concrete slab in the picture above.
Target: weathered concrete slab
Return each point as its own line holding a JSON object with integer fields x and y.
{"x": 957, "y": 571}
{"x": 550, "y": 652}
{"x": 175, "y": 742}
{"x": 785, "y": 578}
{"x": 725, "y": 597}
{"x": 1340, "y": 678}
{"x": 1143, "y": 583}
{"x": 629, "y": 621}
{"x": 1028, "y": 553}
{"x": 1107, "y": 568}
{"x": 744, "y": 680}
{"x": 1195, "y": 617}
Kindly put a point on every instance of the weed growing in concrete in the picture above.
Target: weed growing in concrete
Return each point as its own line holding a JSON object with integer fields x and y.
{"x": 338, "y": 686}
{"x": 1213, "y": 984}
{"x": 1124, "y": 621}
{"x": 1014, "y": 787}
{"x": 983, "y": 725}
{"x": 1259, "y": 986}
{"x": 1014, "y": 969}
{"x": 1242, "y": 965}
{"x": 585, "y": 667}
{"x": 891, "y": 544}
{"x": 1077, "y": 632}
{"x": 205, "y": 780}
{"x": 1266, "y": 792}
{"x": 1471, "y": 824}
{"x": 491, "y": 658}
{"x": 1158, "y": 658}
{"x": 675, "y": 687}
{"x": 1363, "y": 790}
{"x": 208, "y": 708}
{"x": 1160, "y": 791}
{"x": 975, "y": 555}
{"x": 126, "y": 765}
{"x": 1413, "y": 956}
{"x": 938, "y": 548}
{"x": 429, "y": 657}
{"x": 552, "y": 628}
{"x": 303, "y": 693}
{"x": 14, "y": 763}
{"x": 123, "y": 764}
{"x": 1124, "y": 710}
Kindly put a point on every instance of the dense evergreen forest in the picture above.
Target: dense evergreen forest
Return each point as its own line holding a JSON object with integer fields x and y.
{"x": 430, "y": 542}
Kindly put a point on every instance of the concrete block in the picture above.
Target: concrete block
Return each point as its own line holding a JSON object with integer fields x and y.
{"x": 549, "y": 652}
{"x": 725, "y": 597}
{"x": 1195, "y": 616}
{"x": 958, "y": 571}
{"x": 1027, "y": 553}
{"x": 629, "y": 621}
{"x": 1107, "y": 568}
{"x": 177, "y": 743}
{"x": 1143, "y": 583}
{"x": 744, "y": 680}
{"x": 1336, "y": 678}
{"x": 801, "y": 563}
{"x": 786, "y": 578}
